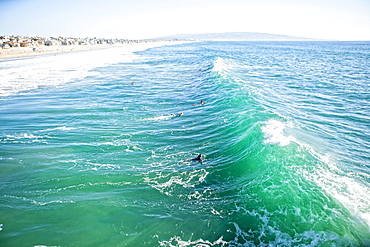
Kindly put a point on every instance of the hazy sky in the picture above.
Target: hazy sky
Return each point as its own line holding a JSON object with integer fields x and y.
{"x": 137, "y": 19}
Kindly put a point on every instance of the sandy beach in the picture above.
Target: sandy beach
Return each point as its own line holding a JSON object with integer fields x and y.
{"x": 18, "y": 52}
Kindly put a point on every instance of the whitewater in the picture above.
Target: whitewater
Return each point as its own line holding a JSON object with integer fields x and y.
{"x": 97, "y": 147}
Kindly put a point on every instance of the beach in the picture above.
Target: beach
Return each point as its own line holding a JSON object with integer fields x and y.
{"x": 18, "y": 52}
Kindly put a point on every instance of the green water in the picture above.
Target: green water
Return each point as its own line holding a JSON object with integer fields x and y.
{"x": 100, "y": 161}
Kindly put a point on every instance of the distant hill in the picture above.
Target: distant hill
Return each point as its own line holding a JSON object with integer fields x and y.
{"x": 235, "y": 36}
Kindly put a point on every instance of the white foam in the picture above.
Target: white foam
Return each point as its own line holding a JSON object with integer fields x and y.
{"x": 168, "y": 182}
{"x": 222, "y": 66}
{"x": 63, "y": 128}
{"x": 273, "y": 131}
{"x": 219, "y": 65}
{"x": 199, "y": 242}
{"x": 23, "y": 138}
{"x": 97, "y": 167}
{"x": 30, "y": 73}
{"x": 160, "y": 118}
{"x": 350, "y": 192}
{"x": 353, "y": 194}
{"x": 27, "y": 74}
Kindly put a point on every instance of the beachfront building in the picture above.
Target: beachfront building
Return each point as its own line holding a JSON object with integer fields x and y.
{"x": 17, "y": 41}
{"x": 36, "y": 42}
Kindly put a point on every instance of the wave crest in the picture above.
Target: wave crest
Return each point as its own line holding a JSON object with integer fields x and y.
{"x": 273, "y": 131}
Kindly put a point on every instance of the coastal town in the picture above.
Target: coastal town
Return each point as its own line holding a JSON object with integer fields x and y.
{"x": 7, "y": 42}
{"x": 21, "y": 46}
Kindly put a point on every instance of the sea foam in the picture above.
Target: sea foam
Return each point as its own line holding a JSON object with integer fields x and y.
{"x": 273, "y": 131}
{"x": 222, "y": 66}
{"x": 353, "y": 194}
{"x": 31, "y": 73}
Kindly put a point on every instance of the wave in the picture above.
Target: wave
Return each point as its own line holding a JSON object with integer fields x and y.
{"x": 302, "y": 157}
{"x": 336, "y": 184}
{"x": 350, "y": 192}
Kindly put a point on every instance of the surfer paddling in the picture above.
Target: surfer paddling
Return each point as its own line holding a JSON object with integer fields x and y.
{"x": 199, "y": 158}
{"x": 179, "y": 115}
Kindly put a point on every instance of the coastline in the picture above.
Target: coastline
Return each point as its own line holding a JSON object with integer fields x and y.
{"x": 35, "y": 73}
{"x": 19, "y": 52}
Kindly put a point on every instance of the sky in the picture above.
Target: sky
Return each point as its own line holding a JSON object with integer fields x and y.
{"x": 143, "y": 19}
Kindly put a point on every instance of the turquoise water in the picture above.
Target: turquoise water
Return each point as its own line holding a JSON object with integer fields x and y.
{"x": 90, "y": 154}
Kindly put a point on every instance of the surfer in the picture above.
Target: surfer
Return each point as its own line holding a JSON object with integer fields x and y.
{"x": 179, "y": 115}
{"x": 199, "y": 158}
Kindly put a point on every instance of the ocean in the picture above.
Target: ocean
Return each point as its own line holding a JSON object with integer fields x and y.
{"x": 94, "y": 150}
